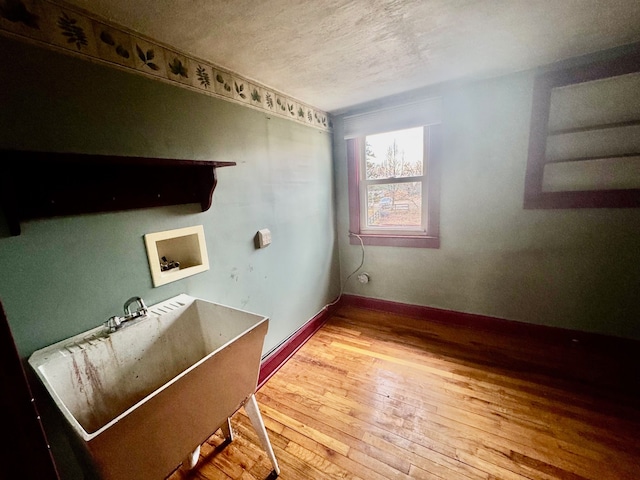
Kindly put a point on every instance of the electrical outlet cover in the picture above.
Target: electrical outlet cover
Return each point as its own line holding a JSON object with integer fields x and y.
{"x": 264, "y": 237}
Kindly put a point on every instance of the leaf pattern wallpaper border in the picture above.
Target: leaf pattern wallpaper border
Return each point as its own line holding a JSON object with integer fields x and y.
{"x": 73, "y": 31}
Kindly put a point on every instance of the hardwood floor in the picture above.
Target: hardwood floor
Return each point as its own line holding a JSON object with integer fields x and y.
{"x": 381, "y": 396}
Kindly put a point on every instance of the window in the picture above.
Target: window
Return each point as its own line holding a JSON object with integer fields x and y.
{"x": 394, "y": 187}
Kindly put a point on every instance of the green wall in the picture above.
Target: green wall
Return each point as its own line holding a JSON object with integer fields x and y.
{"x": 66, "y": 275}
{"x": 578, "y": 269}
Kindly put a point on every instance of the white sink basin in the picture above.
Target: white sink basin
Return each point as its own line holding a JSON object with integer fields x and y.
{"x": 140, "y": 399}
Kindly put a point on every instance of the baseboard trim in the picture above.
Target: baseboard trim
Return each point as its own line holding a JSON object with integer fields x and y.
{"x": 617, "y": 346}
{"x": 276, "y": 359}
{"x": 543, "y": 333}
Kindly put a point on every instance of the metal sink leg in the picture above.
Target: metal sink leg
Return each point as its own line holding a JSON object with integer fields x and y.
{"x": 227, "y": 431}
{"x": 251, "y": 407}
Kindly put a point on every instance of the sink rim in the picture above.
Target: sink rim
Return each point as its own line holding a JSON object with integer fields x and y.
{"x": 42, "y": 357}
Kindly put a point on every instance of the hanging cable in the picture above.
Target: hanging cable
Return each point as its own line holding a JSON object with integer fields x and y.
{"x": 352, "y": 273}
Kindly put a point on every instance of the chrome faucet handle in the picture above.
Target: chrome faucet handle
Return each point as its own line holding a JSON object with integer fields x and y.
{"x": 113, "y": 323}
{"x": 142, "y": 308}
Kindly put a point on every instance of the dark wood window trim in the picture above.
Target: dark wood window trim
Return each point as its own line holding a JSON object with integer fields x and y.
{"x": 534, "y": 197}
{"x": 433, "y": 161}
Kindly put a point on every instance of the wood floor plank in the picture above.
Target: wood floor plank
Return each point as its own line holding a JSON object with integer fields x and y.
{"x": 476, "y": 423}
{"x": 304, "y": 428}
{"x": 376, "y": 396}
{"x": 427, "y": 461}
{"x": 346, "y": 463}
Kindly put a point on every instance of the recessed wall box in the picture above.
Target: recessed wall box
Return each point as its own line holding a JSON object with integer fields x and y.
{"x": 185, "y": 247}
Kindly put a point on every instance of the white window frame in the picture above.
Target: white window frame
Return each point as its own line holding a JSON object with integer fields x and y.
{"x": 364, "y": 183}
{"x": 390, "y": 237}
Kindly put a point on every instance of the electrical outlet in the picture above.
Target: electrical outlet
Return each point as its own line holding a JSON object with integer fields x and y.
{"x": 364, "y": 278}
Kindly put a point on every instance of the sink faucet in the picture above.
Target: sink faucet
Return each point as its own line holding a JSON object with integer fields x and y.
{"x": 116, "y": 322}
{"x": 142, "y": 308}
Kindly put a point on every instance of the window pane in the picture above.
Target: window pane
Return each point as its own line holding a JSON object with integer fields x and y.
{"x": 394, "y": 205}
{"x": 394, "y": 154}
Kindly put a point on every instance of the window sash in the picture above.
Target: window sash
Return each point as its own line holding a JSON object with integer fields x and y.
{"x": 385, "y": 181}
{"x": 391, "y": 238}
{"x": 364, "y": 183}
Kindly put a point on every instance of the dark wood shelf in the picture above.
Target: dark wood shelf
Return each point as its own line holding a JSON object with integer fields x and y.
{"x": 595, "y": 157}
{"x": 46, "y": 184}
{"x": 561, "y": 76}
{"x": 594, "y": 128}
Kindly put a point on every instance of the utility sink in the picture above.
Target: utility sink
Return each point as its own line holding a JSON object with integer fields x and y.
{"x": 139, "y": 400}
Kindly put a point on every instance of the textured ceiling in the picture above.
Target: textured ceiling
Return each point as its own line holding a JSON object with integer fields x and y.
{"x": 334, "y": 54}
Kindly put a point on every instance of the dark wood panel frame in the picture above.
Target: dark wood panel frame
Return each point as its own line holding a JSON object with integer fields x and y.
{"x": 47, "y": 184}
{"x": 534, "y": 197}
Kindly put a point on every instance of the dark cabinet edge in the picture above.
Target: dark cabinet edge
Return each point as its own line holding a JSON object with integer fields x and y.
{"x": 35, "y": 184}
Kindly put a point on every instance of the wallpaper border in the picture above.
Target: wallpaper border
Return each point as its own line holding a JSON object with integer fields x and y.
{"x": 71, "y": 30}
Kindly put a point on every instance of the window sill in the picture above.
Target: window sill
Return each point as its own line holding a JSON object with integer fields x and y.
{"x": 412, "y": 241}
